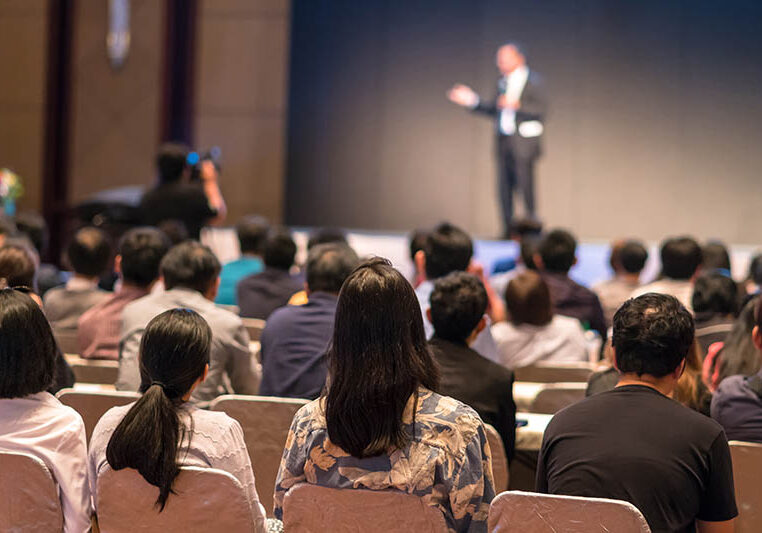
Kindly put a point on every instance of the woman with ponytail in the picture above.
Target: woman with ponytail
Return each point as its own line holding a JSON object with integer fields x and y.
{"x": 162, "y": 431}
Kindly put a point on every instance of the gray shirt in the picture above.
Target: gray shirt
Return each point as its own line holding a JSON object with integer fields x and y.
{"x": 231, "y": 362}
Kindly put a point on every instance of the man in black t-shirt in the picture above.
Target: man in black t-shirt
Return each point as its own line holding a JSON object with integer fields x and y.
{"x": 636, "y": 444}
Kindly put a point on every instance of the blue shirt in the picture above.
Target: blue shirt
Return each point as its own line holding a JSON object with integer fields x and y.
{"x": 737, "y": 406}
{"x": 234, "y": 272}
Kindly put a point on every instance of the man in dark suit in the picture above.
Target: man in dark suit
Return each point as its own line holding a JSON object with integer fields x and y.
{"x": 458, "y": 304}
{"x": 518, "y": 110}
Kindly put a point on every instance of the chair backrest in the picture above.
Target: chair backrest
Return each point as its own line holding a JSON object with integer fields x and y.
{"x": 254, "y": 326}
{"x": 92, "y": 405}
{"x": 518, "y": 512}
{"x": 555, "y": 396}
{"x": 203, "y": 499}
{"x": 555, "y": 372}
{"x": 309, "y": 508}
{"x": 265, "y": 422}
{"x": 67, "y": 340}
{"x": 99, "y": 371}
{"x": 747, "y": 462}
{"x": 499, "y": 459}
{"x": 28, "y": 495}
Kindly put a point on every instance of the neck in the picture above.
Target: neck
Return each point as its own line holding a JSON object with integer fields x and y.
{"x": 250, "y": 255}
{"x": 89, "y": 279}
{"x": 629, "y": 277}
{"x": 664, "y": 385}
{"x": 134, "y": 286}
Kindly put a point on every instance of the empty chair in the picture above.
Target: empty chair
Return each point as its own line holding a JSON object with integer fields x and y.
{"x": 555, "y": 396}
{"x": 28, "y": 495}
{"x": 254, "y": 326}
{"x": 747, "y": 462}
{"x": 92, "y": 405}
{"x": 554, "y": 372}
{"x": 309, "y": 508}
{"x": 499, "y": 460}
{"x": 99, "y": 371}
{"x": 519, "y": 512}
{"x": 265, "y": 422}
{"x": 203, "y": 499}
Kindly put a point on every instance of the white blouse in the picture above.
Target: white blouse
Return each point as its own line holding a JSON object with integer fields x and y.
{"x": 216, "y": 441}
{"x": 42, "y": 426}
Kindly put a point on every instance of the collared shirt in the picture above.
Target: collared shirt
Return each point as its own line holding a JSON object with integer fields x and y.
{"x": 514, "y": 86}
{"x": 211, "y": 440}
{"x": 230, "y": 358}
{"x": 232, "y": 273}
{"x": 738, "y": 407}
{"x": 447, "y": 461}
{"x": 42, "y": 426}
{"x": 612, "y": 293}
{"x": 572, "y": 299}
{"x": 260, "y": 294}
{"x": 682, "y": 289}
{"x": 294, "y": 343}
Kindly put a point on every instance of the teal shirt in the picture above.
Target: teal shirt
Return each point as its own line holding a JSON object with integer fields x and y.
{"x": 234, "y": 272}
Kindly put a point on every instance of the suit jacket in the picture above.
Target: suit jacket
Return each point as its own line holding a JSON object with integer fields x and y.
{"x": 485, "y": 386}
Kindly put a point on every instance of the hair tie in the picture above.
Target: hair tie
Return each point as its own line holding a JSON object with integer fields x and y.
{"x": 160, "y": 384}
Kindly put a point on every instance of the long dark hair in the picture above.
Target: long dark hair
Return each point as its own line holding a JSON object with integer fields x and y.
{"x": 377, "y": 360}
{"x": 174, "y": 352}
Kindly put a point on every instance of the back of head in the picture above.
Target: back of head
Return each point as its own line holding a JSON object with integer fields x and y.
{"x": 174, "y": 354}
{"x": 377, "y": 360}
{"x": 715, "y": 256}
{"x": 458, "y": 303}
{"x": 18, "y": 266}
{"x": 755, "y": 269}
{"x": 175, "y": 230}
{"x": 652, "y": 335}
{"x": 35, "y": 228}
{"x": 89, "y": 252}
{"x": 557, "y": 250}
{"x": 716, "y": 294}
{"x": 27, "y": 347}
{"x": 525, "y": 227}
{"x": 739, "y": 355}
{"x": 326, "y": 236}
{"x": 280, "y": 249}
{"x": 527, "y": 298}
{"x": 417, "y": 241}
{"x": 448, "y": 249}
{"x": 529, "y": 246}
{"x": 632, "y": 257}
{"x": 680, "y": 258}
{"x": 142, "y": 250}
{"x": 190, "y": 265}
{"x": 171, "y": 161}
{"x": 252, "y": 234}
{"x": 328, "y": 265}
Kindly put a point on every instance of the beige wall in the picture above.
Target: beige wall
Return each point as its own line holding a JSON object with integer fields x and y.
{"x": 241, "y": 73}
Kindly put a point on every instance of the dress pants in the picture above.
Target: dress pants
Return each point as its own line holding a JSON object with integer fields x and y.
{"x": 516, "y": 158}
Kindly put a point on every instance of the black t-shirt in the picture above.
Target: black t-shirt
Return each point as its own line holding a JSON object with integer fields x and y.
{"x": 637, "y": 445}
{"x": 177, "y": 201}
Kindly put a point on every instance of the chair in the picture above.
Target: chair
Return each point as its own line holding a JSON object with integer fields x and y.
{"x": 100, "y": 371}
{"x": 92, "y": 405}
{"x": 499, "y": 459}
{"x": 555, "y": 396}
{"x": 28, "y": 495}
{"x": 67, "y": 340}
{"x": 265, "y": 422}
{"x": 518, "y": 512}
{"x": 747, "y": 461}
{"x": 555, "y": 372}
{"x": 254, "y": 326}
{"x": 203, "y": 499}
{"x": 309, "y": 508}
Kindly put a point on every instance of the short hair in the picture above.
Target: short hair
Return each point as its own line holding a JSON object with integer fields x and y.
{"x": 18, "y": 267}
{"x": 89, "y": 252}
{"x": 458, "y": 303}
{"x": 520, "y": 48}
{"x": 252, "y": 234}
{"x": 524, "y": 227}
{"x": 680, "y": 257}
{"x": 557, "y": 250}
{"x": 190, "y": 265}
{"x": 715, "y": 256}
{"x": 632, "y": 256}
{"x": 7, "y": 226}
{"x": 175, "y": 230}
{"x": 755, "y": 269}
{"x": 171, "y": 161}
{"x": 325, "y": 236}
{"x": 27, "y": 348}
{"x": 527, "y": 248}
{"x": 142, "y": 250}
{"x": 652, "y": 335}
{"x": 328, "y": 265}
{"x": 417, "y": 241}
{"x": 715, "y": 293}
{"x": 448, "y": 249}
{"x": 280, "y": 249}
{"x": 527, "y": 298}
{"x": 33, "y": 225}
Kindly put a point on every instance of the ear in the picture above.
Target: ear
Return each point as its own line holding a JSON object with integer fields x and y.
{"x": 206, "y": 373}
{"x": 537, "y": 258}
{"x": 575, "y": 261}
{"x": 306, "y": 288}
{"x": 420, "y": 262}
{"x": 613, "y": 359}
{"x": 679, "y": 370}
{"x": 481, "y": 325}
{"x": 756, "y": 337}
{"x": 214, "y": 289}
{"x": 118, "y": 264}
{"x": 428, "y": 314}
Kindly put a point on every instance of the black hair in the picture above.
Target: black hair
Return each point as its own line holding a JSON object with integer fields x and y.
{"x": 280, "y": 249}
{"x": 632, "y": 256}
{"x": 652, "y": 335}
{"x": 448, "y": 249}
{"x": 190, "y": 265}
{"x": 252, "y": 234}
{"x": 525, "y": 227}
{"x": 715, "y": 293}
{"x": 35, "y": 228}
{"x": 325, "y": 236}
{"x": 557, "y": 251}
{"x": 328, "y": 265}
{"x": 417, "y": 241}
{"x": 171, "y": 161}
{"x": 175, "y": 230}
{"x": 377, "y": 360}
{"x": 715, "y": 256}
{"x": 89, "y": 252}
{"x": 680, "y": 257}
{"x": 755, "y": 269}
{"x": 142, "y": 250}
{"x": 174, "y": 352}
{"x": 458, "y": 303}
{"x": 527, "y": 248}
{"x": 18, "y": 266}
{"x": 27, "y": 347}
{"x": 738, "y": 354}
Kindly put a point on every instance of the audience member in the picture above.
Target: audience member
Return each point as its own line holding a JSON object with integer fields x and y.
{"x": 556, "y": 255}
{"x": 680, "y": 261}
{"x": 175, "y": 198}
{"x": 33, "y": 421}
{"x": 417, "y": 243}
{"x": 715, "y": 257}
{"x": 139, "y": 255}
{"x": 295, "y": 339}
{"x": 533, "y": 333}
{"x": 753, "y": 281}
{"x": 715, "y": 306}
{"x": 528, "y": 246}
{"x": 191, "y": 275}
{"x": 458, "y": 304}
{"x": 380, "y": 426}
{"x": 252, "y": 236}
{"x": 317, "y": 237}
{"x": 34, "y": 227}
{"x": 260, "y": 294}
{"x": 175, "y": 230}
{"x": 627, "y": 260}
{"x": 7, "y": 229}
{"x": 88, "y": 255}
{"x": 678, "y": 472}
{"x": 162, "y": 431}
